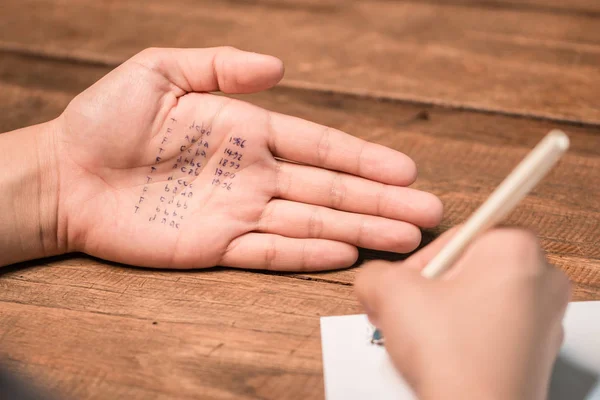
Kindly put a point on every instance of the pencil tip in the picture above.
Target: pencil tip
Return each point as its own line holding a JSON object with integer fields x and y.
{"x": 560, "y": 138}
{"x": 377, "y": 337}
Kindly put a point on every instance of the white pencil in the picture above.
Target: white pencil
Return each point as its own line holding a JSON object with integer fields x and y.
{"x": 503, "y": 200}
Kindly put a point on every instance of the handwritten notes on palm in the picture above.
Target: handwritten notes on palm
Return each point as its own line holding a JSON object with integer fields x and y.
{"x": 184, "y": 163}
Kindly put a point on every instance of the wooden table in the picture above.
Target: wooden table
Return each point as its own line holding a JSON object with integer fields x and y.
{"x": 465, "y": 87}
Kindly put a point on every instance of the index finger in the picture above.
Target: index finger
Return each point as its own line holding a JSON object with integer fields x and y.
{"x": 306, "y": 142}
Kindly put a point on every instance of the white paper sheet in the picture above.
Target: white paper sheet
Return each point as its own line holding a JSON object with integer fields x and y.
{"x": 356, "y": 369}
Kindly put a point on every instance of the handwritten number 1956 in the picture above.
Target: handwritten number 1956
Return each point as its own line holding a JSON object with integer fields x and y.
{"x": 237, "y": 141}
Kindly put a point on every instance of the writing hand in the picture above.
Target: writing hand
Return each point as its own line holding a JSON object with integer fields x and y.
{"x": 156, "y": 171}
{"x": 490, "y": 329}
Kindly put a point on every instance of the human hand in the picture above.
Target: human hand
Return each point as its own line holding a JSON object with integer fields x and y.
{"x": 154, "y": 171}
{"x": 490, "y": 329}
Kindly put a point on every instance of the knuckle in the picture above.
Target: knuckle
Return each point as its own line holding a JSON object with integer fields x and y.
{"x": 380, "y": 202}
{"x": 220, "y": 68}
{"x": 282, "y": 180}
{"x": 266, "y": 218}
{"x": 324, "y": 147}
{"x": 315, "y": 223}
{"x": 151, "y": 58}
{"x": 271, "y": 253}
{"x": 360, "y": 158}
{"x": 337, "y": 191}
{"x": 305, "y": 259}
{"x": 149, "y": 53}
{"x": 360, "y": 232}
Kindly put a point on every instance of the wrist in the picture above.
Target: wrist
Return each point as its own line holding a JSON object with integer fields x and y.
{"x": 49, "y": 188}
{"x": 29, "y": 182}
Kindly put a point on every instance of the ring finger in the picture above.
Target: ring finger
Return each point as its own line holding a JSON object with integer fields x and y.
{"x": 298, "y": 220}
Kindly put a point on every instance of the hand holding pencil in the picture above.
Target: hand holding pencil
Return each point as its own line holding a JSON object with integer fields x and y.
{"x": 493, "y": 328}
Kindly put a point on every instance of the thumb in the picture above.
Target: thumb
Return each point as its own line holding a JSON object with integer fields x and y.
{"x": 383, "y": 287}
{"x": 224, "y": 69}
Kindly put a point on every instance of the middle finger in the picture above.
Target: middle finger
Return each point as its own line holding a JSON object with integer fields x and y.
{"x": 346, "y": 192}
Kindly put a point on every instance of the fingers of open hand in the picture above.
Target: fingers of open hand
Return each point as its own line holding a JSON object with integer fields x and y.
{"x": 293, "y": 219}
{"x": 309, "y": 143}
{"x": 220, "y": 68}
{"x": 275, "y": 252}
{"x": 346, "y": 192}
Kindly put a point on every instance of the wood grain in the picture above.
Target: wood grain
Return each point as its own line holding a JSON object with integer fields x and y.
{"x": 91, "y": 329}
{"x": 462, "y": 155}
{"x": 582, "y": 7}
{"x": 515, "y": 60}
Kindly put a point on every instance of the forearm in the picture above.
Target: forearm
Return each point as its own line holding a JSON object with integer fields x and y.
{"x": 28, "y": 194}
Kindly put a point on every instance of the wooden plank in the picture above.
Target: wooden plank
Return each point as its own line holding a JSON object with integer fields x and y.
{"x": 461, "y": 155}
{"x": 36, "y": 89}
{"x": 504, "y": 59}
{"x": 89, "y": 329}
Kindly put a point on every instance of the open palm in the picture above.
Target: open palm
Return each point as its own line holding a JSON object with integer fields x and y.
{"x": 156, "y": 171}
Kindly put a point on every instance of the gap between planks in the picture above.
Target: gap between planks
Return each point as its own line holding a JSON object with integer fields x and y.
{"x": 91, "y": 59}
{"x": 536, "y": 6}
